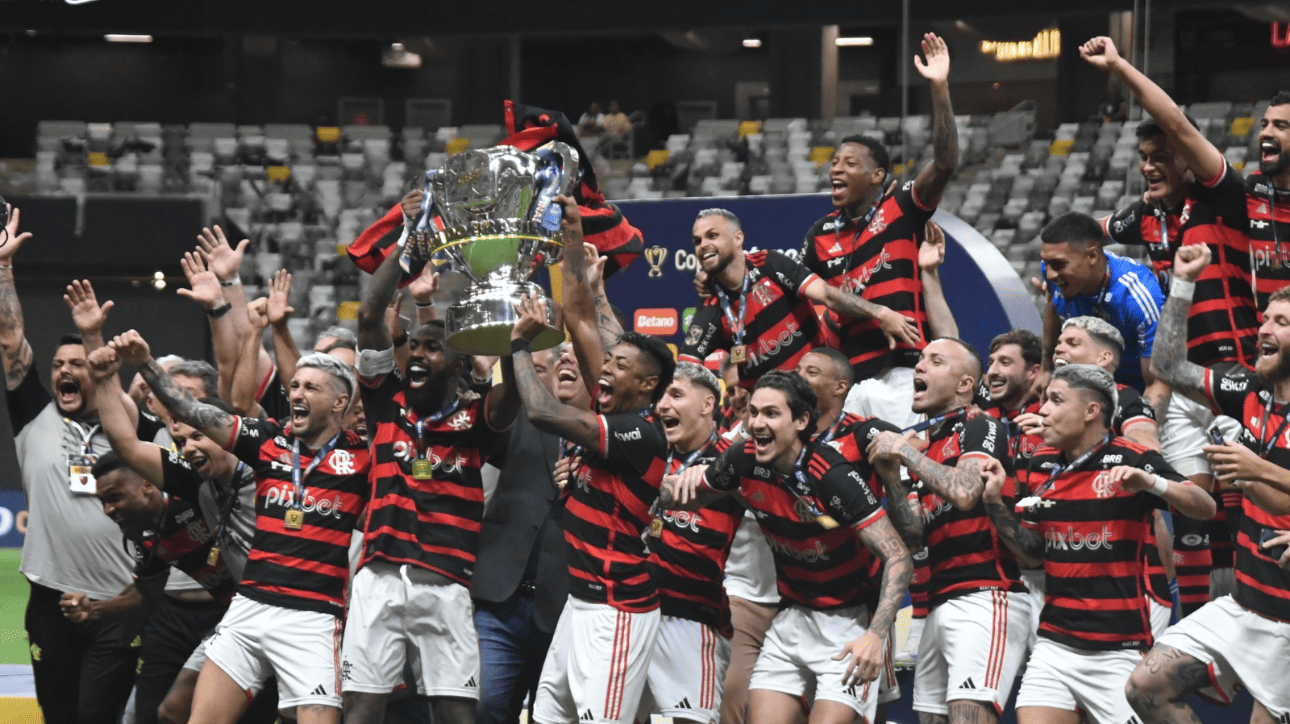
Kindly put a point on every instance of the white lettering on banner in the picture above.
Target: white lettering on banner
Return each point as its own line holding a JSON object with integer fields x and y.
{"x": 685, "y": 260}
{"x": 285, "y": 496}
{"x": 6, "y": 521}
{"x": 683, "y": 519}
{"x": 1073, "y": 541}
{"x": 811, "y": 554}
{"x": 768, "y": 348}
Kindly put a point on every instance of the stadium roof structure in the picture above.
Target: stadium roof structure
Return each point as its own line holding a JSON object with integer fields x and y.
{"x": 399, "y": 17}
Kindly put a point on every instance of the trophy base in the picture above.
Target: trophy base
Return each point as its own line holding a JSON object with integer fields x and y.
{"x": 482, "y": 321}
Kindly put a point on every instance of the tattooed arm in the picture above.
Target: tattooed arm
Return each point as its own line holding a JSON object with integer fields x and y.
{"x": 905, "y": 514}
{"x": 16, "y": 350}
{"x": 865, "y": 654}
{"x": 932, "y": 180}
{"x": 606, "y": 323}
{"x": 209, "y": 420}
{"x": 580, "y": 426}
{"x": 1025, "y": 543}
{"x": 578, "y": 304}
{"x": 896, "y": 326}
{"x": 898, "y": 569}
{"x": 960, "y": 485}
{"x": 1169, "y": 354}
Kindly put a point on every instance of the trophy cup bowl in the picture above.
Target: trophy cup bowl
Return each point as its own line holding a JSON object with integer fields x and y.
{"x": 498, "y": 225}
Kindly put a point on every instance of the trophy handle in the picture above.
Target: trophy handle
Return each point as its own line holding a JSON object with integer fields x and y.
{"x": 546, "y": 211}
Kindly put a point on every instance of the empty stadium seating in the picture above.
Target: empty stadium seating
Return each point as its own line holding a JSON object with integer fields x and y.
{"x": 303, "y": 193}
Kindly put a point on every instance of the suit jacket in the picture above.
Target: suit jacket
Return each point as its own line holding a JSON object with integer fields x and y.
{"x": 524, "y": 513}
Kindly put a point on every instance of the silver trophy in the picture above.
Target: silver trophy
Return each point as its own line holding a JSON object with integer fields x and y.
{"x": 490, "y": 214}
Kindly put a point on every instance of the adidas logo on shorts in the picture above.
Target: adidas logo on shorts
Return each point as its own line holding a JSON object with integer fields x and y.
{"x": 318, "y": 691}
{"x": 587, "y": 716}
{"x": 968, "y": 684}
{"x": 470, "y": 684}
{"x": 684, "y": 703}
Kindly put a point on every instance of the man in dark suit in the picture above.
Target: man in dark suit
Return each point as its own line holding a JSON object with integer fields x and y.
{"x": 520, "y": 582}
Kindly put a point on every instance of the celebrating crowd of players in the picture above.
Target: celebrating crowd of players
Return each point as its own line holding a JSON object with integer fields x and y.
{"x": 309, "y": 534}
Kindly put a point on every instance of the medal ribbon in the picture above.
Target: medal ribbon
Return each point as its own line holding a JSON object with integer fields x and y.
{"x": 737, "y": 332}
{"x": 228, "y": 504}
{"x": 1058, "y": 468}
{"x": 432, "y": 419}
{"x": 297, "y": 477}
{"x": 1265, "y": 446}
{"x": 919, "y": 427}
{"x": 828, "y": 436}
{"x": 86, "y": 435}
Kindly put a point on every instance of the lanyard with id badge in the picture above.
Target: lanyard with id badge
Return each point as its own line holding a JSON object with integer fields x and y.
{"x": 80, "y": 479}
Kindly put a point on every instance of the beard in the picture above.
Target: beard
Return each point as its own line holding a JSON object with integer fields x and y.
{"x": 425, "y": 400}
{"x": 1277, "y": 167}
{"x": 1280, "y": 369}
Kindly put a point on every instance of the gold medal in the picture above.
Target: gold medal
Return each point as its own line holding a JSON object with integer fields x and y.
{"x": 213, "y": 557}
{"x": 294, "y": 519}
{"x": 656, "y": 527}
{"x": 826, "y": 521}
{"x": 738, "y": 354}
{"x": 422, "y": 469}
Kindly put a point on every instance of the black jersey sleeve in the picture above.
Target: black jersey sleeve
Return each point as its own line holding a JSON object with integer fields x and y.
{"x": 984, "y": 436}
{"x": 178, "y": 477}
{"x": 705, "y": 335}
{"x": 27, "y": 399}
{"x": 789, "y": 274}
{"x": 249, "y": 435}
{"x": 1125, "y": 225}
{"x": 844, "y": 491}
{"x": 631, "y": 439}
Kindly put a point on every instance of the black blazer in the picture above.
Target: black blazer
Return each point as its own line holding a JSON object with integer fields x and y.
{"x": 524, "y": 513}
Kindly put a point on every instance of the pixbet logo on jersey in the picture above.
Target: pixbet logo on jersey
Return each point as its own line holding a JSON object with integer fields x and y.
{"x": 285, "y": 496}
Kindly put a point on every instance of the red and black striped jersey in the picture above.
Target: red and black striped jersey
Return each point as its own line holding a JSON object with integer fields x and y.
{"x": 816, "y": 567}
{"x": 431, "y": 523}
{"x": 1222, "y": 325}
{"x": 1130, "y": 408}
{"x": 688, "y": 552}
{"x": 1224, "y": 526}
{"x": 184, "y": 538}
{"x": 607, "y": 513}
{"x": 963, "y": 547}
{"x": 781, "y": 325}
{"x": 304, "y": 569}
{"x": 876, "y": 257}
{"x": 1262, "y": 585}
{"x": 1267, "y": 211}
{"x": 1094, "y": 534}
{"x": 851, "y": 436}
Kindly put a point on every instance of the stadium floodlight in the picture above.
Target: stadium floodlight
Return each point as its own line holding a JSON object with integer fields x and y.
{"x": 78, "y": 2}
{"x": 752, "y": 42}
{"x": 854, "y": 41}
{"x": 121, "y": 38}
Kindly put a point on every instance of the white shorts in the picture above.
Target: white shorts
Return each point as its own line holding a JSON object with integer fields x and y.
{"x": 1160, "y": 615}
{"x": 971, "y": 650}
{"x": 1239, "y": 647}
{"x": 797, "y": 657}
{"x": 197, "y": 659}
{"x": 888, "y": 396}
{"x": 1091, "y": 682}
{"x": 395, "y": 611}
{"x": 1036, "y": 580}
{"x": 596, "y": 667}
{"x": 687, "y": 672}
{"x": 302, "y": 648}
{"x": 1186, "y": 430}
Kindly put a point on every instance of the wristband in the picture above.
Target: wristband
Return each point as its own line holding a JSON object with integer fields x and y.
{"x": 425, "y": 305}
{"x": 1182, "y": 288}
{"x": 521, "y": 345}
{"x": 1160, "y": 487}
{"x": 401, "y": 340}
{"x": 234, "y": 282}
{"x": 218, "y": 312}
